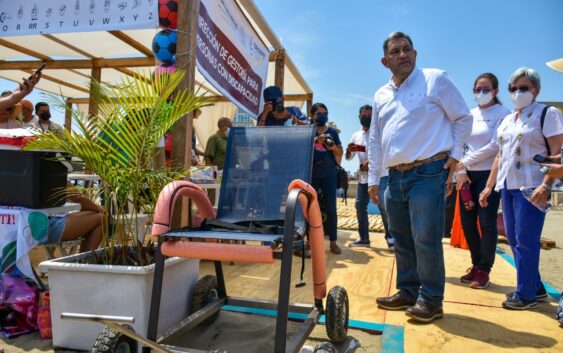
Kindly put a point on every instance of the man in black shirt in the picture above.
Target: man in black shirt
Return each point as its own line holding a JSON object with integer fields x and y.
{"x": 274, "y": 112}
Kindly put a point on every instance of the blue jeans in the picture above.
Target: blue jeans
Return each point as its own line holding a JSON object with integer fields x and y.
{"x": 523, "y": 224}
{"x": 481, "y": 245}
{"x": 384, "y": 219}
{"x": 415, "y": 205}
{"x": 328, "y": 187}
{"x": 362, "y": 200}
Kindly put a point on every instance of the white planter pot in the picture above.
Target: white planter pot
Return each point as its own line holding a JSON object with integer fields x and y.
{"x": 137, "y": 226}
{"x": 114, "y": 290}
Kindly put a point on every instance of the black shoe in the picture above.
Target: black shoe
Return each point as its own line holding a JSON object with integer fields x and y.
{"x": 395, "y": 302}
{"x": 424, "y": 312}
{"x": 360, "y": 243}
{"x": 541, "y": 295}
{"x": 515, "y": 303}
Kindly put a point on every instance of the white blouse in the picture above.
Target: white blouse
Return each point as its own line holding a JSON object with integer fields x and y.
{"x": 519, "y": 140}
{"x": 481, "y": 147}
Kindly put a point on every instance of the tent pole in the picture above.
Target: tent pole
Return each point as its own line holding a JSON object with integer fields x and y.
{"x": 280, "y": 68}
{"x": 68, "y": 114}
{"x": 96, "y": 76}
{"x": 188, "y": 14}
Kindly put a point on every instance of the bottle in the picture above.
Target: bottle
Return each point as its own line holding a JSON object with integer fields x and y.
{"x": 527, "y": 193}
{"x": 467, "y": 197}
{"x": 44, "y": 317}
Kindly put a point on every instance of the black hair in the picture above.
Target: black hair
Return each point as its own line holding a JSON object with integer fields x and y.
{"x": 494, "y": 81}
{"x": 39, "y": 105}
{"x": 222, "y": 122}
{"x": 316, "y": 107}
{"x": 395, "y": 35}
{"x": 365, "y": 107}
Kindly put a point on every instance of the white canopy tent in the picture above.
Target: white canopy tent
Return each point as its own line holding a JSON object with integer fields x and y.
{"x": 73, "y": 58}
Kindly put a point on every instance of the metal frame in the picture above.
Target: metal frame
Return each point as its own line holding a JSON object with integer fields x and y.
{"x": 281, "y": 344}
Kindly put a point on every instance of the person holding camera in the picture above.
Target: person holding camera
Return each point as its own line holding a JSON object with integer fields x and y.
{"x": 275, "y": 113}
{"x": 531, "y": 129}
{"x": 358, "y": 147}
{"x": 326, "y": 159}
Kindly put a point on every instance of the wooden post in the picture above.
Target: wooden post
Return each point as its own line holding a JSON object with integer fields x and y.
{"x": 309, "y": 106}
{"x": 280, "y": 68}
{"x": 188, "y": 14}
{"x": 68, "y": 114}
{"x": 185, "y": 60}
{"x": 96, "y": 76}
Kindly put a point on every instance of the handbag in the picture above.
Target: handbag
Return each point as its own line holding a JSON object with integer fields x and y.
{"x": 341, "y": 178}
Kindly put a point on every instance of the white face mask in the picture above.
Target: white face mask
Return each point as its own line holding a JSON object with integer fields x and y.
{"x": 227, "y": 132}
{"x": 522, "y": 100}
{"x": 483, "y": 99}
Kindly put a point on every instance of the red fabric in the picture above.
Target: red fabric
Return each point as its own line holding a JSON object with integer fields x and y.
{"x": 15, "y": 141}
{"x": 458, "y": 237}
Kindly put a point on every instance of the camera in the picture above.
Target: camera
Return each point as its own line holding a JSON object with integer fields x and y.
{"x": 329, "y": 142}
{"x": 277, "y": 105}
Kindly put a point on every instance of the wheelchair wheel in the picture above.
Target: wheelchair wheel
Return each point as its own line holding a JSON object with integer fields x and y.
{"x": 111, "y": 341}
{"x": 325, "y": 347}
{"x": 205, "y": 292}
{"x": 337, "y": 314}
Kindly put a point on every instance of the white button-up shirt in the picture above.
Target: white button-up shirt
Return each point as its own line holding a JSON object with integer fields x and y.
{"x": 481, "y": 146}
{"x": 360, "y": 138}
{"x": 519, "y": 140}
{"x": 424, "y": 116}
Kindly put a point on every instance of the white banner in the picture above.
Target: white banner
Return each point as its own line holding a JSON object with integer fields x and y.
{"x": 230, "y": 55}
{"x": 26, "y": 17}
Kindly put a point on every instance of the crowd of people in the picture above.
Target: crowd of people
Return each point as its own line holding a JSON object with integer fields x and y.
{"x": 422, "y": 135}
{"x": 416, "y": 138}
{"x": 86, "y": 224}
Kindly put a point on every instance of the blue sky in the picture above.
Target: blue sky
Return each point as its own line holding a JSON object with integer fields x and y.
{"x": 337, "y": 45}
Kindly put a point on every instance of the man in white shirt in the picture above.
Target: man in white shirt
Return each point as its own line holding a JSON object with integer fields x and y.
{"x": 358, "y": 147}
{"x": 418, "y": 127}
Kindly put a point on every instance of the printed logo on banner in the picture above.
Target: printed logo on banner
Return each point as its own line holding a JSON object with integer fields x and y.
{"x": 27, "y": 17}
{"x": 230, "y": 55}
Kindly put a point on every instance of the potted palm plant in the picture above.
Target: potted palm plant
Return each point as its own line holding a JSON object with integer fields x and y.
{"x": 120, "y": 145}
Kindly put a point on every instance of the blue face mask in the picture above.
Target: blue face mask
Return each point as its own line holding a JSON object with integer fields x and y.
{"x": 322, "y": 119}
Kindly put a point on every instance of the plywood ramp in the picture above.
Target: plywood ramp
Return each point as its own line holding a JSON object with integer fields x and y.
{"x": 474, "y": 319}
{"x": 363, "y": 272}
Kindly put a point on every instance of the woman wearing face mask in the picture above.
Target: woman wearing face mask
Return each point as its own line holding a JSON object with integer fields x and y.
{"x": 520, "y": 137}
{"x": 327, "y": 156}
{"x": 473, "y": 172}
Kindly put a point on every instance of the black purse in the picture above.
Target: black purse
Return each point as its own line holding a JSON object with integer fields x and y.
{"x": 341, "y": 178}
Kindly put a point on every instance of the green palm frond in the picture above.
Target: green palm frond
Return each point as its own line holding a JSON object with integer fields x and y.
{"x": 120, "y": 142}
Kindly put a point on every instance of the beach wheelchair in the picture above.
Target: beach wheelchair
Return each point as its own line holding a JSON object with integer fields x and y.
{"x": 264, "y": 184}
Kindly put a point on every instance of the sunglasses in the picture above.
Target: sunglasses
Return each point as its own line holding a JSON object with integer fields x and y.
{"x": 484, "y": 90}
{"x": 522, "y": 89}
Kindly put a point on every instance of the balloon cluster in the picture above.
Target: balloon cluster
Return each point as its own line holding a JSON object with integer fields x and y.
{"x": 164, "y": 42}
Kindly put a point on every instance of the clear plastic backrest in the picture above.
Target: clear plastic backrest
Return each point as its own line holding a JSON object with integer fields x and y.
{"x": 260, "y": 164}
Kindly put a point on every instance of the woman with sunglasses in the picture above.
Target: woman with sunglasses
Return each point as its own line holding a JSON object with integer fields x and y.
{"x": 521, "y": 136}
{"x": 473, "y": 172}
{"x": 326, "y": 158}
